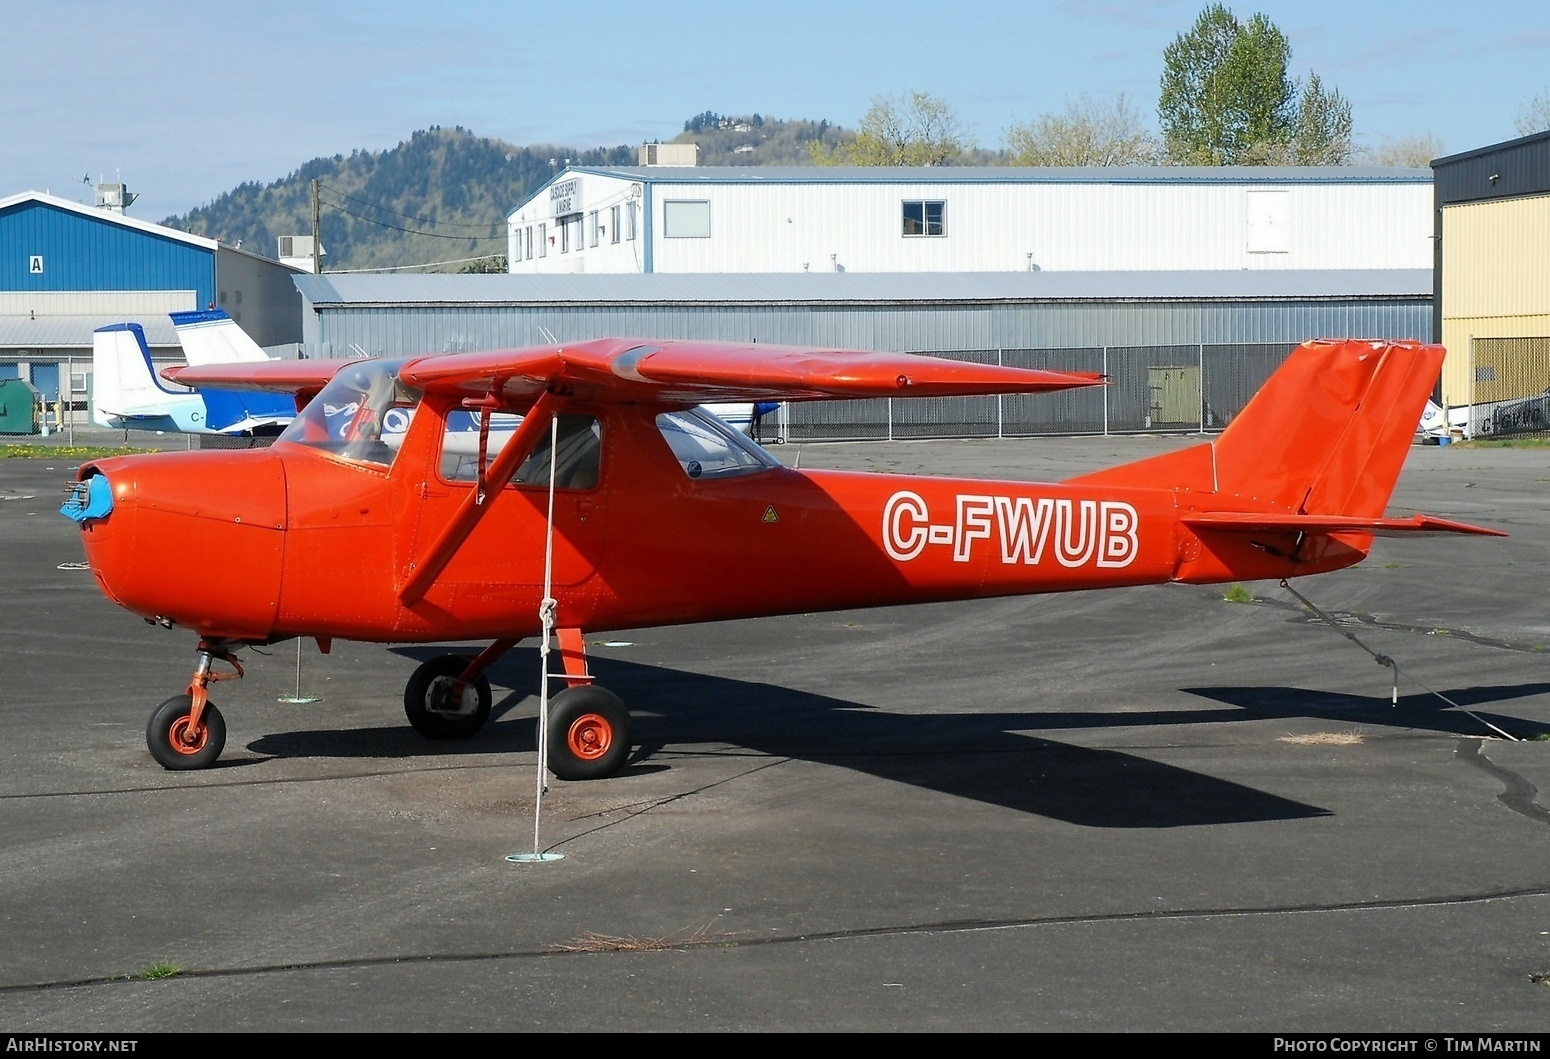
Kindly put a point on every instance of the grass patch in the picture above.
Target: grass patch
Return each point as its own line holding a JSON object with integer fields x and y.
{"x": 1237, "y": 593}
{"x": 685, "y": 939}
{"x": 22, "y": 450}
{"x": 1323, "y": 739}
{"x": 1507, "y": 443}
{"x": 159, "y": 970}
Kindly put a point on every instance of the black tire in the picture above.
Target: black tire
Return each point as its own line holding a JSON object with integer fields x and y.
{"x": 428, "y": 703}
{"x": 164, "y": 735}
{"x": 589, "y": 733}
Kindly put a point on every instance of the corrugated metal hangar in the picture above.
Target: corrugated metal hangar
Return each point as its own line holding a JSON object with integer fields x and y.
{"x": 1492, "y": 289}
{"x": 67, "y": 268}
{"x": 686, "y": 219}
{"x": 1184, "y": 349}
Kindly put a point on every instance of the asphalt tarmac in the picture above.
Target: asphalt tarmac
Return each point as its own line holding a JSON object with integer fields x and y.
{"x": 1132, "y": 810}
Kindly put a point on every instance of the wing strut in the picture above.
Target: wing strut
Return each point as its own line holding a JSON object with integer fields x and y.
{"x": 479, "y": 500}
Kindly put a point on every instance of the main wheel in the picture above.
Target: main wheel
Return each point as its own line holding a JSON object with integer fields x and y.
{"x": 175, "y": 744}
{"x": 589, "y": 733}
{"x": 429, "y": 703}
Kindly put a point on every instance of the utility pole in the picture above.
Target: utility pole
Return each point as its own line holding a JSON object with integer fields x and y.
{"x": 317, "y": 247}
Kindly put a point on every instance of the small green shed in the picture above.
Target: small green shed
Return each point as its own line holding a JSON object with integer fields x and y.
{"x": 18, "y": 407}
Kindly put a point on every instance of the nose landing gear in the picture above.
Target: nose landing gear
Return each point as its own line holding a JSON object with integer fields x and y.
{"x": 186, "y": 731}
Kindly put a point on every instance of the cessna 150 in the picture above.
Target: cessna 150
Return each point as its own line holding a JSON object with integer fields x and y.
{"x": 615, "y": 504}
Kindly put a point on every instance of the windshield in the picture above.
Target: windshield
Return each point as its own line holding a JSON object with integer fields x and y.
{"x": 362, "y": 414}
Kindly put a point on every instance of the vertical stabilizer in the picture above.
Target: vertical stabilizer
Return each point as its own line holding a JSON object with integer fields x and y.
{"x": 123, "y": 383}
{"x": 210, "y": 336}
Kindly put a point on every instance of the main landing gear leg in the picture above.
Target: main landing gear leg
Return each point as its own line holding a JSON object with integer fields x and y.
{"x": 448, "y": 697}
{"x": 187, "y": 731}
{"x": 589, "y": 727}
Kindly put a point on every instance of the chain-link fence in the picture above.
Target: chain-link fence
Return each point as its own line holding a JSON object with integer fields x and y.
{"x": 1158, "y": 389}
{"x": 1509, "y": 387}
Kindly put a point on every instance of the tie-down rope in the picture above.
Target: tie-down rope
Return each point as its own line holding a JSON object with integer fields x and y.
{"x": 1385, "y": 660}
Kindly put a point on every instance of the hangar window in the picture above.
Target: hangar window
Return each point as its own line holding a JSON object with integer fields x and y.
{"x": 543, "y": 240}
{"x": 686, "y": 219}
{"x": 592, "y": 228}
{"x": 613, "y": 224}
{"x": 925, "y": 217}
{"x": 630, "y": 212}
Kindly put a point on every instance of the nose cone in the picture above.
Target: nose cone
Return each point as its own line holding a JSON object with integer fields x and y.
{"x": 192, "y": 537}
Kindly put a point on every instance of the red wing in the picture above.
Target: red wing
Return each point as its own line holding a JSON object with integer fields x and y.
{"x": 683, "y": 372}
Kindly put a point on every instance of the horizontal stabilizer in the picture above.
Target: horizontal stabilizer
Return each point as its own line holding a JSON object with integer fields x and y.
{"x": 1267, "y": 522}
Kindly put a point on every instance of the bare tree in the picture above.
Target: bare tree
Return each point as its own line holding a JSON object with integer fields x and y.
{"x": 1535, "y": 116}
{"x": 1090, "y": 132}
{"x": 917, "y": 130}
{"x": 1406, "y": 152}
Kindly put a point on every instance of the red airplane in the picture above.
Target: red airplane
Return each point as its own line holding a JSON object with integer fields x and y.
{"x": 379, "y": 516}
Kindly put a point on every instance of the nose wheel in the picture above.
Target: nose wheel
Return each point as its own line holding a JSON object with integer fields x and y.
{"x": 179, "y": 742}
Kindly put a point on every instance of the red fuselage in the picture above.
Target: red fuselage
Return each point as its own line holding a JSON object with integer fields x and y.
{"x": 263, "y": 545}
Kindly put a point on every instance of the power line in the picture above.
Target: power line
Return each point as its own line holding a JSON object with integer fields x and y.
{"x": 418, "y": 220}
{"x": 400, "y": 268}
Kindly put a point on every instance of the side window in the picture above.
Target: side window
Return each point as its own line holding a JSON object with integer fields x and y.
{"x": 708, "y": 448}
{"x": 576, "y": 463}
{"x": 925, "y": 217}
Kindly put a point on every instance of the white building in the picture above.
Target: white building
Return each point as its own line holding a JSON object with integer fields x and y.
{"x": 749, "y": 219}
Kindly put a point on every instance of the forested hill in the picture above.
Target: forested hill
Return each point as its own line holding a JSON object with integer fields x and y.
{"x": 443, "y": 194}
{"x": 440, "y": 196}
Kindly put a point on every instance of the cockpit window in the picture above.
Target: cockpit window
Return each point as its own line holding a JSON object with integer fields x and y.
{"x": 575, "y": 464}
{"x": 362, "y": 414}
{"x": 708, "y": 448}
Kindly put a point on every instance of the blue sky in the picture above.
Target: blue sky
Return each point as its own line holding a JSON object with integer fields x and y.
{"x": 184, "y": 100}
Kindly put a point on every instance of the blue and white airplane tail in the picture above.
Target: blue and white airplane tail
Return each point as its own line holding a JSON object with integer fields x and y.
{"x": 210, "y": 336}
{"x": 128, "y": 395}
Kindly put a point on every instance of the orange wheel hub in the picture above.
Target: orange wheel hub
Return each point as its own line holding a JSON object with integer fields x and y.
{"x": 185, "y": 739}
{"x": 589, "y": 736}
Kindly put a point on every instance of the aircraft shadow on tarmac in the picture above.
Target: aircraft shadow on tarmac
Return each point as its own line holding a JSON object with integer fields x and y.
{"x": 988, "y": 757}
{"x": 1422, "y": 711}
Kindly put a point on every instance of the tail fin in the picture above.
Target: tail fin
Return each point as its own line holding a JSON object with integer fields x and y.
{"x": 123, "y": 383}
{"x": 1326, "y": 435}
{"x": 210, "y": 336}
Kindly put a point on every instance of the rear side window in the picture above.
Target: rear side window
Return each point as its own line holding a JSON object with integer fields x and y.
{"x": 708, "y": 448}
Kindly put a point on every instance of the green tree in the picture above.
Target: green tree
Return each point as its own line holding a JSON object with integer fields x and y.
{"x": 918, "y": 130}
{"x": 1227, "y": 99}
{"x": 1090, "y": 132}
